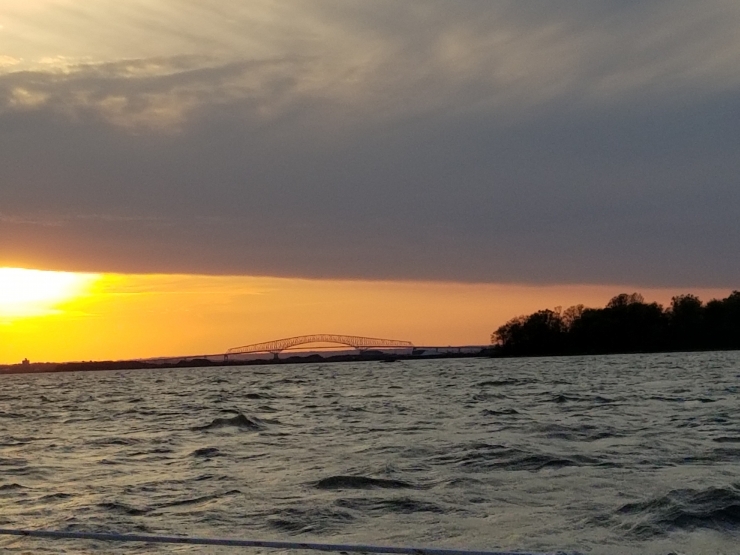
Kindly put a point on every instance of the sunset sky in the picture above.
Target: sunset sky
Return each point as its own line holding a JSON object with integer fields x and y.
{"x": 216, "y": 173}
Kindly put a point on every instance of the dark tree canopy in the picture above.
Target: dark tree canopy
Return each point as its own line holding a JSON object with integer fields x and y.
{"x": 626, "y": 325}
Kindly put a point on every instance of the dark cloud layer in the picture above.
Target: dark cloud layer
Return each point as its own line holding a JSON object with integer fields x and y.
{"x": 470, "y": 141}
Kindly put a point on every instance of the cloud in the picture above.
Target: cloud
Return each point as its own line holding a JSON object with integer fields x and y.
{"x": 390, "y": 60}
{"x": 472, "y": 141}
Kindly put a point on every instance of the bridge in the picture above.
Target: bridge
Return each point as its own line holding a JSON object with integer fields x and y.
{"x": 359, "y": 343}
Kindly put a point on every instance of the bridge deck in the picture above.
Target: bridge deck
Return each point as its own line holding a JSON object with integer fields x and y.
{"x": 354, "y": 341}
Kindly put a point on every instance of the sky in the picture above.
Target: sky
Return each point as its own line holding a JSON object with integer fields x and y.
{"x": 519, "y": 150}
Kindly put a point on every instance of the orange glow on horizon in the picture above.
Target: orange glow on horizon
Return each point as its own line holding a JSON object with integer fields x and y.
{"x": 115, "y": 316}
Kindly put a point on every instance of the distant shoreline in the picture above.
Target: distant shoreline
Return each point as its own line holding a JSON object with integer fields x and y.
{"x": 201, "y": 362}
{"x": 195, "y": 362}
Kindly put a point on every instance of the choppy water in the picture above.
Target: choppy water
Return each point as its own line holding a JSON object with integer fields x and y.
{"x": 619, "y": 454}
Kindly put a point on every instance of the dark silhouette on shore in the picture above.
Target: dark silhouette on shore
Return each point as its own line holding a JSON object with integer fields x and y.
{"x": 198, "y": 362}
{"x": 626, "y": 325}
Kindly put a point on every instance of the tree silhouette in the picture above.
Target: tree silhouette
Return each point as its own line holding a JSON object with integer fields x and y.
{"x": 687, "y": 323}
{"x": 626, "y": 325}
{"x": 540, "y": 333}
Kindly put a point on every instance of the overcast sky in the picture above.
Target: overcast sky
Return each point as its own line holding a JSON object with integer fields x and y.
{"x": 523, "y": 141}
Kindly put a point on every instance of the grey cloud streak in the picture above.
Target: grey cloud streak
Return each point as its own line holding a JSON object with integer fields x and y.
{"x": 470, "y": 141}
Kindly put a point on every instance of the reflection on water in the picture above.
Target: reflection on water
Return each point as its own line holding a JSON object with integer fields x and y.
{"x": 612, "y": 455}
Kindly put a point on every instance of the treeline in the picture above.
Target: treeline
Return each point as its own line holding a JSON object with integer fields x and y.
{"x": 626, "y": 325}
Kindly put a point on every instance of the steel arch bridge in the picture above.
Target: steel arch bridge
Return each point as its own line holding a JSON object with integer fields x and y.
{"x": 359, "y": 343}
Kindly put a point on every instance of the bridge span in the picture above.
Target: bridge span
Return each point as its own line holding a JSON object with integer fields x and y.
{"x": 356, "y": 342}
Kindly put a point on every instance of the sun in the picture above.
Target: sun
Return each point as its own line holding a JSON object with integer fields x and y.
{"x": 28, "y": 293}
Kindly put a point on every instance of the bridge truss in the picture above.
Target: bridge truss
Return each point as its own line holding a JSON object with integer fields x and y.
{"x": 359, "y": 343}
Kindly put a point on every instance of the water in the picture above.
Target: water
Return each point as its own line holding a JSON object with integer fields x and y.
{"x": 607, "y": 455}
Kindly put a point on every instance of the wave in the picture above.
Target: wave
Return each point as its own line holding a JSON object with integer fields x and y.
{"x": 538, "y": 462}
{"x": 54, "y": 496}
{"x": 240, "y": 421}
{"x": 399, "y": 505}
{"x": 561, "y": 398}
{"x": 255, "y": 396}
{"x": 315, "y": 520}
{"x": 206, "y": 452}
{"x": 361, "y": 482}
{"x": 12, "y": 487}
{"x": 483, "y": 457}
{"x": 16, "y": 442}
{"x": 198, "y": 500}
{"x": 684, "y": 509}
{"x": 585, "y": 432}
{"x": 125, "y": 441}
{"x": 727, "y": 439}
{"x": 667, "y": 399}
{"x": 13, "y": 462}
{"x": 10, "y": 415}
{"x": 122, "y": 508}
{"x": 717, "y": 455}
{"x": 489, "y": 396}
{"x": 502, "y": 383}
{"x": 500, "y": 412}
{"x": 154, "y": 451}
